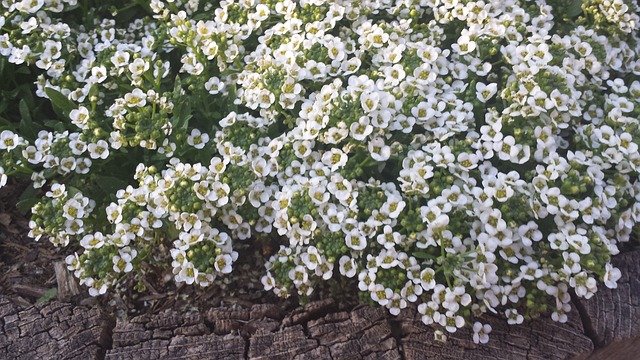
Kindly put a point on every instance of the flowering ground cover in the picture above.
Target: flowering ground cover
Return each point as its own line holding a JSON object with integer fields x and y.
{"x": 467, "y": 156}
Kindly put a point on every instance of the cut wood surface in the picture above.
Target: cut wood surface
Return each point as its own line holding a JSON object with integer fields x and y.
{"x": 319, "y": 330}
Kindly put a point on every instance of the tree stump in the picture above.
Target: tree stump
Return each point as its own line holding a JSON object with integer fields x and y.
{"x": 608, "y": 323}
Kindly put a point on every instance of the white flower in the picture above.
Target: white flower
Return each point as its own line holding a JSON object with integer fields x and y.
{"x": 187, "y": 273}
{"x": 299, "y": 275}
{"x": 348, "y": 266}
{"x": 513, "y": 317}
{"x": 335, "y": 158}
{"x": 9, "y": 140}
{"x": 93, "y": 241}
{"x": 214, "y": 85}
{"x": 485, "y": 92}
{"x": 361, "y": 129}
{"x": 120, "y": 58}
{"x": 378, "y": 150}
{"x": 223, "y": 263}
{"x": 136, "y": 98}
{"x": 79, "y": 117}
{"x": 97, "y": 288}
{"x": 481, "y": 333}
{"x": 380, "y": 294}
{"x": 355, "y": 241}
{"x": 98, "y": 150}
{"x": 427, "y": 279}
{"x": 584, "y": 285}
{"x": 122, "y": 261}
{"x": 611, "y": 276}
{"x": 197, "y": 139}
{"x": 464, "y": 44}
{"x": 138, "y": 66}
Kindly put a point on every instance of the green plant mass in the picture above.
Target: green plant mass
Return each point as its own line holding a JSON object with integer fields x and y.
{"x": 466, "y": 156}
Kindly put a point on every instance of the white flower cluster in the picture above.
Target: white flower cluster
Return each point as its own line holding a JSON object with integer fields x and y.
{"x": 61, "y": 216}
{"x": 467, "y": 156}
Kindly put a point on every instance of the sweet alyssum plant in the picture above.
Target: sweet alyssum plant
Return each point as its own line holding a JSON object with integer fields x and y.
{"x": 467, "y": 156}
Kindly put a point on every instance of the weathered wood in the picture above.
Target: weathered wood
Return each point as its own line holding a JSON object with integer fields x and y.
{"x": 539, "y": 339}
{"x": 363, "y": 333}
{"x": 319, "y": 330}
{"x": 614, "y": 314}
{"x": 67, "y": 283}
{"x": 52, "y": 331}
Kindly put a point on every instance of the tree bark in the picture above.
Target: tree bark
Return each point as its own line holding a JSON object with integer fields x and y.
{"x": 320, "y": 330}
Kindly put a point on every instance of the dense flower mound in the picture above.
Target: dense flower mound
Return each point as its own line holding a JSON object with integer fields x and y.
{"x": 467, "y": 156}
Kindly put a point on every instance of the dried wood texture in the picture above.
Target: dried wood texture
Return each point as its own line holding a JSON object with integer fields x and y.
{"x": 623, "y": 350}
{"x": 52, "y": 331}
{"x": 614, "y": 314}
{"x": 318, "y": 331}
{"x": 67, "y": 284}
{"x": 538, "y": 339}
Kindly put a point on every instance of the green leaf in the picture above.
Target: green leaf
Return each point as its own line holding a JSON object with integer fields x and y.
{"x": 181, "y": 114}
{"x": 421, "y": 255}
{"x": 6, "y": 124}
{"x": 27, "y": 200}
{"x": 23, "y": 70}
{"x": 48, "y": 295}
{"x": 60, "y": 101}
{"x": 574, "y": 8}
{"x": 110, "y": 184}
{"x": 56, "y": 125}
{"x": 26, "y": 122}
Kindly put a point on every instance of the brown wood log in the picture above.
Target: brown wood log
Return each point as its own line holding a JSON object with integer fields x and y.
{"x": 537, "y": 339}
{"x": 614, "y": 314}
{"x": 52, "y": 331}
{"x": 319, "y": 330}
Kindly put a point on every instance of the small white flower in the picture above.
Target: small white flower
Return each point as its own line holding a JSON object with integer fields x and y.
{"x": 120, "y": 58}
{"x": 98, "y": 150}
{"x": 223, "y": 263}
{"x": 214, "y": 85}
{"x": 9, "y": 140}
{"x": 138, "y": 66}
{"x": 93, "y": 241}
{"x": 335, "y": 158}
{"x": 187, "y": 273}
{"x": 378, "y": 150}
{"x": 136, "y": 98}
{"x": 611, "y": 276}
{"x": 513, "y": 317}
{"x": 197, "y": 139}
{"x": 348, "y": 266}
{"x": 481, "y": 333}
{"x": 485, "y": 92}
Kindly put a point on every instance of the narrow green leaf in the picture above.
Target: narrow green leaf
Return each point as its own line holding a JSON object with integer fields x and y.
{"x": 181, "y": 114}
{"x": 48, "y": 295}
{"x": 27, "y": 200}
{"x": 26, "y": 122}
{"x": 110, "y": 184}
{"x": 422, "y": 255}
{"x": 60, "y": 101}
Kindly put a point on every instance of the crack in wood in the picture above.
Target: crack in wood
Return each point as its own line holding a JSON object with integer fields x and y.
{"x": 587, "y": 324}
{"x": 397, "y": 333}
{"x": 106, "y": 338}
